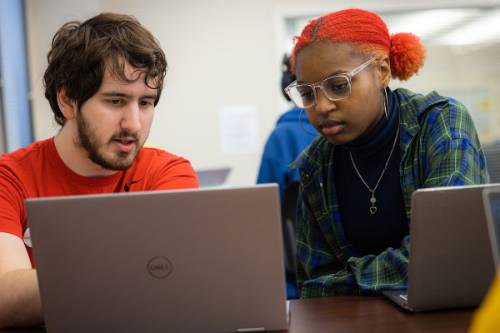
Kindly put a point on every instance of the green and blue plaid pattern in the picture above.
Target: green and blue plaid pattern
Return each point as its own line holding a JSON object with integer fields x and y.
{"x": 439, "y": 147}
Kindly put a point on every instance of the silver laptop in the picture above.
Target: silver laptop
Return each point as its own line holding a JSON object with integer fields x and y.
{"x": 451, "y": 264}
{"x": 173, "y": 261}
{"x": 212, "y": 177}
{"x": 491, "y": 199}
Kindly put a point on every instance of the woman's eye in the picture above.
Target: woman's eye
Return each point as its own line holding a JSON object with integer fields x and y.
{"x": 340, "y": 87}
{"x": 305, "y": 92}
{"x": 337, "y": 86}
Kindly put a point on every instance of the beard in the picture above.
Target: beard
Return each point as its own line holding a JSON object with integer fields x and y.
{"x": 88, "y": 140}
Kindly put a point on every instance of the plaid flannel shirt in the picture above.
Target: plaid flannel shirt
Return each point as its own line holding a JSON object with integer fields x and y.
{"x": 439, "y": 147}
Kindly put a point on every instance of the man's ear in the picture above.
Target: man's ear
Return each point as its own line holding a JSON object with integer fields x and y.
{"x": 66, "y": 105}
{"x": 385, "y": 71}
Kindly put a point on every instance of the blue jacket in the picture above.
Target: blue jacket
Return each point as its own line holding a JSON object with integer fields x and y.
{"x": 293, "y": 133}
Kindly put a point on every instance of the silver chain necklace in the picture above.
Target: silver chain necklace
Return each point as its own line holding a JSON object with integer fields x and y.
{"x": 373, "y": 199}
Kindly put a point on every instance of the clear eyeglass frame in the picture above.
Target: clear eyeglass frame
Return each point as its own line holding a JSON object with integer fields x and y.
{"x": 293, "y": 89}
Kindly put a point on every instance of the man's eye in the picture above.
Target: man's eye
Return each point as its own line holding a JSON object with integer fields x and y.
{"x": 115, "y": 101}
{"x": 146, "y": 103}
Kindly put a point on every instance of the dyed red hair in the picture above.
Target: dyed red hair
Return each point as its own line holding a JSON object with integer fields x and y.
{"x": 369, "y": 31}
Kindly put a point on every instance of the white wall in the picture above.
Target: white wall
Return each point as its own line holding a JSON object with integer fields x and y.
{"x": 43, "y": 18}
{"x": 220, "y": 53}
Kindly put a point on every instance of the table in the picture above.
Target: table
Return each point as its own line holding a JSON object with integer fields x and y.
{"x": 360, "y": 314}
{"x": 371, "y": 314}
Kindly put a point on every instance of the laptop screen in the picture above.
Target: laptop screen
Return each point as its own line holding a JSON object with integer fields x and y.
{"x": 212, "y": 177}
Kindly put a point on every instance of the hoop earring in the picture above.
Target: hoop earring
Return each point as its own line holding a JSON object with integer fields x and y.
{"x": 386, "y": 101}
{"x": 302, "y": 124}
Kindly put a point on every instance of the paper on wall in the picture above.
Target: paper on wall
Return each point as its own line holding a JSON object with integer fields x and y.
{"x": 238, "y": 129}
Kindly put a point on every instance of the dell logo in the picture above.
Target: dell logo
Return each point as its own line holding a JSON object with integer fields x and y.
{"x": 159, "y": 267}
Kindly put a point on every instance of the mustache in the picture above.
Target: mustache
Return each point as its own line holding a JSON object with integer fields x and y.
{"x": 125, "y": 135}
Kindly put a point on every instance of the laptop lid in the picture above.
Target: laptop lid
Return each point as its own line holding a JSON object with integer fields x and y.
{"x": 174, "y": 261}
{"x": 491, "y": 200}
{"x": 450, "y": 263}
{"x": 212, "y": 177}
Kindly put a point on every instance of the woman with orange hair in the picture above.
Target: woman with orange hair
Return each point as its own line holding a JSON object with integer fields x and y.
{"x": 377, "y": 146}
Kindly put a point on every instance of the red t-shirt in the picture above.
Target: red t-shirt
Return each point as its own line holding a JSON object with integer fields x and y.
{"x": 38, "y": 171}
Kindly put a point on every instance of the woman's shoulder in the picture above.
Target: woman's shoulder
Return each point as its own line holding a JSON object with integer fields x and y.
{"x": 433, "y": 111}
{"x": 420, "y": 104}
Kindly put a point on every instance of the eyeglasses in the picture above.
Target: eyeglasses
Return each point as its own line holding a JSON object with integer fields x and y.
{"x": 335, "y": 88}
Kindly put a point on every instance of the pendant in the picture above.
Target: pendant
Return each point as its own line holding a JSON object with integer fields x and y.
{"x": 373, "y": 208}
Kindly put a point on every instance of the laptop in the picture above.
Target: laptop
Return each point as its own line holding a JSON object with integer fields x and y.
{"x": 450, "y": 265}
{"x": 491, "y": 199}
{"x": 212, "y": 177}
{"x": 207, "y": 260}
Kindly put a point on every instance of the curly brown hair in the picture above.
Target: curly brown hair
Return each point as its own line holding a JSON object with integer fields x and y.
{"x": 82, "y": 52}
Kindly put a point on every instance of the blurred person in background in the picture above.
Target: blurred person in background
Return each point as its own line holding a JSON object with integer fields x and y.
{"x": 292, "y": 134}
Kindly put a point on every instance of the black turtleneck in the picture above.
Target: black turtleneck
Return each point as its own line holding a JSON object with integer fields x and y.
{"x": 372, "y": 234}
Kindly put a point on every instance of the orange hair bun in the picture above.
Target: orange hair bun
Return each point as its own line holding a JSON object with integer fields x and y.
{"x": 407, "y": 55}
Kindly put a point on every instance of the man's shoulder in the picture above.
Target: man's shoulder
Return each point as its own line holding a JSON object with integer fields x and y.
{"x": 151, "y": 159}
{"x": 27, "y": 155}
{"x": 163, "y": 170}
{"x": 153, "y": 155}
{"x": 21, "y": 172}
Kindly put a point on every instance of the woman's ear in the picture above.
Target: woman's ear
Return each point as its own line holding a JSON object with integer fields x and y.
{"x": 385, "y": 71}
{"x": 66, "y": 105}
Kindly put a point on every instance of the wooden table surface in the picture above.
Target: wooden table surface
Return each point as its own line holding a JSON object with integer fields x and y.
{"x": 371, "y": 314}
{"x": 359, "y": 314}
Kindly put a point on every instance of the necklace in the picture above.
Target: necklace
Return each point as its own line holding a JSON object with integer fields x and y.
{"x": 373, "y": 199}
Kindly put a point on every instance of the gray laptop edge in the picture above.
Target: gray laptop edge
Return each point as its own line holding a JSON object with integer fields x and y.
{"x": 451, "y": 264}
{"x": 491, "y": 200}
{"x": 174, "y": 261}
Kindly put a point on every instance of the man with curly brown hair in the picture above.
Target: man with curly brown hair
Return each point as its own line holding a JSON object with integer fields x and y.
{"x": 103, "y": 81}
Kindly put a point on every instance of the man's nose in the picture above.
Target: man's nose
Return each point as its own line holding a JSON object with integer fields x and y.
{"x": 131, "y": 118}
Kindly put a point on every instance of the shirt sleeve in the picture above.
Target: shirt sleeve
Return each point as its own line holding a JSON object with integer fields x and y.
{"x": 11, "y": 202}
{"x": 454, "y": 153}
{"x": 456, "y": 162}
{"x": 174, "y": 173}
